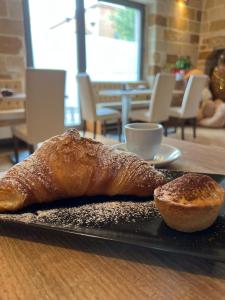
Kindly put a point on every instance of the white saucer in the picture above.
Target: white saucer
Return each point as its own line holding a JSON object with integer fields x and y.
{"x": 166, "y": 154}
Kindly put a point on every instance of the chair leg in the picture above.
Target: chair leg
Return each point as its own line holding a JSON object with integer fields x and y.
{"x": 194, "y": 127}
{"x": 30, "y": 148}
{"x": 174, "y": 122}
{"x": 165, "y": 129}
{"x": 119, "y": 129}
{"x": 182, "y": 129}
{"x": 104, "y": 128}
{"x": 16, "y": 148}
{"x": 94, "y": 132}
{"x": 84, "y": 127}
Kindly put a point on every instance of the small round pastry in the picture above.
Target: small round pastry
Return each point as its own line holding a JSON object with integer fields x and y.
{"x": 189, "y": 203}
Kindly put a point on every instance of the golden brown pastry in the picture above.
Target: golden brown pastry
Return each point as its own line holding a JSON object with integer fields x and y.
{"x": 190, "y": 203}
{"x": 68, "y": 165}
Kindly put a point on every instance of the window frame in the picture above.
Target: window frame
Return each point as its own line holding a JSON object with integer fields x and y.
{"x": 80, "y": 25}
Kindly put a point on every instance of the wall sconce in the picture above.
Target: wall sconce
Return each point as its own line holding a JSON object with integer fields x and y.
{"x": 183, "y": 1}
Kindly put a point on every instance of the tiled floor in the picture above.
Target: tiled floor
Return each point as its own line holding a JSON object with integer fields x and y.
{"x": 5, "y": 161}
{"x": 205, "y": 136}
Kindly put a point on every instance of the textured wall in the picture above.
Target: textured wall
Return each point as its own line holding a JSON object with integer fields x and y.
{"x": 212, "y": 29}
{"x": 173, "y": 30}
{"x": 12, "y": 50}
{"x": 12, "y": 53}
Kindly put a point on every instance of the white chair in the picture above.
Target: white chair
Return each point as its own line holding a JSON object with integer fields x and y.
{"x": 158, "y": 111}
{"x": 45, "y": 90}
{"x": 89, "y": 111}
{"x": 190, "y": 103}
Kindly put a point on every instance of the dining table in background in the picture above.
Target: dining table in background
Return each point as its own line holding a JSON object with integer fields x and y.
{"x": 13, "y": 115}
{"x": 14, "y": 97}
{"x": 41, "y": 264}
{"x": 126, "y": 96}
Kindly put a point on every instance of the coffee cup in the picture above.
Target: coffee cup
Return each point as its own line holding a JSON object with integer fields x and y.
{"x": 144, "y": 139}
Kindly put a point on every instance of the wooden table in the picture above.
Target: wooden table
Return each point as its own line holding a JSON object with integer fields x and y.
{"x": 36, "y": 264}
{"x": 198, "y": 158}
{"x": 126, "y": 100}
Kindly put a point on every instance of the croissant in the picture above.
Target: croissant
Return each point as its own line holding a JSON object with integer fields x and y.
{"x": 68, "y": 165}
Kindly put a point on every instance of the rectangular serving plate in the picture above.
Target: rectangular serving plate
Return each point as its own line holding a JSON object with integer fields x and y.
{"x": 154, "y": 233}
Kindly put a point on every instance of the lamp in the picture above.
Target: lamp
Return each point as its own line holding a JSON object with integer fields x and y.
{"x": 183, "y": 1}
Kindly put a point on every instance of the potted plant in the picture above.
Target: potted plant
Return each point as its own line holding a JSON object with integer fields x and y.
{"x": 182, "y": 65}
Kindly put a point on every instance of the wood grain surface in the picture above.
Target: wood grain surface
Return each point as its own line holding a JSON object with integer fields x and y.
{"x": 198, "y": 158}
{"x": 37, "y": 264}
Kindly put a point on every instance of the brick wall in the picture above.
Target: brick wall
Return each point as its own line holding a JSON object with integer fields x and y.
{"x": 12, "y": 51}
{"x": 212, "y": 30}
{"x": 173, "y": 30}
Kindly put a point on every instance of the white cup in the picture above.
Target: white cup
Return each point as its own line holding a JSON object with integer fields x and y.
{"x": 144, "y": 139}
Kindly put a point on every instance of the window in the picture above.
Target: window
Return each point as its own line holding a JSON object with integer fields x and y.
{"x": 53, "y": 39}
{"x": 103, "y": 38}
{"x": 113, "y": 41}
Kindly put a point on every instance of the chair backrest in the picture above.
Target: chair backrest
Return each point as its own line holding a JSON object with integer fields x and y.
{"x": 193, "y": 95}
{"x": 161, "y": 97}
{"x": 87, "y": 99}
{"x": 45, "y": 91}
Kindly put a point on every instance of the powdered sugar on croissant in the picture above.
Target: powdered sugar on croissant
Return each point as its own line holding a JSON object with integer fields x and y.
{"x": 68, "y": 165}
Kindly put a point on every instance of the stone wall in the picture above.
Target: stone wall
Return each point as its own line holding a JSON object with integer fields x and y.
{"x": 12, "y": 50}
{"x": 212, "y": 36}
{"x": 173, "y": 31}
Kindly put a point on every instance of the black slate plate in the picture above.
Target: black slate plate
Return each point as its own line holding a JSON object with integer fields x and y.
{"x": 151, "y": 233}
